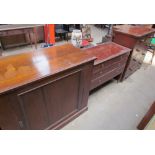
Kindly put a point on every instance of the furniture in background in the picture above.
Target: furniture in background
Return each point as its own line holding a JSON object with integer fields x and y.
{"x": 150, "y": 42}
{"x": 61, "y": 32}
{"x": 20, "y": 34}
{"x": 110, "y": 62}
{"x": 44, "y": 90}
{"x": 146, "y": 119}
{"x": 133, "y": 37}
{"x": 69, "y": 27}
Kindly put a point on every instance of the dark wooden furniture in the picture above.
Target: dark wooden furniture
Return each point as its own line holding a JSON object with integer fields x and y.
{"x": 17, "y": 30}
{"x": 44, "y": 89}
{"x": 133, "y": 37}
{"x": 147, "y": 117}
{"x": 110, "y": 62}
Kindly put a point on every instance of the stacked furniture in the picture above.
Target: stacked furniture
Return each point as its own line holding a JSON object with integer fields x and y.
{"x": 110, "y": 62}
{"x": 133, "y": 37}
{"x": 44, "y": 89}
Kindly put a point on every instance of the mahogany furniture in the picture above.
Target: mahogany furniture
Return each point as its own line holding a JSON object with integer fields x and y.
{"x": 110, "y": 62}
{"x": 29, "y": 30}
{"x": 147, "y": 117}
{"x": 133, "y": 37}
{"x": 44, "y": 89}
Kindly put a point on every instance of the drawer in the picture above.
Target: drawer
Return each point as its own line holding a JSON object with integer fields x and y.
{"x": 134, "y": 66}
{"x": 28, "y": 30}
{"x": 106, "y": 77}
{"x": 107, "y": 64}
{"x": 130, "y": 71}
{"x": 15, "y": 32}
{"x": 4, "y": 33}
{"x": 98, "y": 68}
{"x": 112, "y": 61}
{"x": 105, "y": 70}
{"x": 139, "y": 47}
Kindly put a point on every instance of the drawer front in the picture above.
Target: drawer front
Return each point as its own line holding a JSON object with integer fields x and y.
{"x": 107, "y": 64}
{"x": 15, "y": 32}
{"x": 110, "y": 65}
{"x": 107, "y": 69}
{"x": 4, "y": 33}
{"x": 130, "y": 71}
{"x": 106, "y": 77}
{"x": 139, "y": 52}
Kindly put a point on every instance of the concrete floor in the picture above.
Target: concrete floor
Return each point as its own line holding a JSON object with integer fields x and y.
{"x": 114, "y": 105}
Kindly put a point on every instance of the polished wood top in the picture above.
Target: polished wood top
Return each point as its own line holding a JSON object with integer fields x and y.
{"x": 134, "y": 31}
{"x": 24, "y": 68}
{"x": 106, "y": 51}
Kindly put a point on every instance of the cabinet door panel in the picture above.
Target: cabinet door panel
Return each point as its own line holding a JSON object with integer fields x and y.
{"x": 8, "y": 118}
{"x": 34, "y": 110}
{"x": 62, "y": 97}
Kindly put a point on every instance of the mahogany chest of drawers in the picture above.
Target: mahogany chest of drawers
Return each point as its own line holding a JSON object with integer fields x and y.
{"x": 110, "y": 62}
{"x": 133, "y": 37}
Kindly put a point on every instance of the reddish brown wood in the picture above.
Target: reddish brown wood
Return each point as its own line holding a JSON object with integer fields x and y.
{"x": 44, "y": 89}
{"x": 132, "y": 37}
{"x": 134, "y": 31}
{"x": 147, "y": 117}
{"x": 110, "y": 62}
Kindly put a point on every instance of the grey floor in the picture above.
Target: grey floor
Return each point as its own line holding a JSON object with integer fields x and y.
{"x": 115, "y": 105}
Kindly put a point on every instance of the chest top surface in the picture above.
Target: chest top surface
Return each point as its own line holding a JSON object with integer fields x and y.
{"x": 134, "y": 31}
{"x": 107, "y": 51}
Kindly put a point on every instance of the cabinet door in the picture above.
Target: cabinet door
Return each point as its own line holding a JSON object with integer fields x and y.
{"x": 51, "y": 101}
{"x": 62, "y": 97}
{"x": 8, "y": 117}
{"x": 34, "y": 109}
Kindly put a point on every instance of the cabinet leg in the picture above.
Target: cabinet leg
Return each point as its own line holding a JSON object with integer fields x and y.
{"x": 29, "y": 35}
{"x": 1, "y": 48}
{"x": 35, "y": 37}
{"x": 1, "y": 52}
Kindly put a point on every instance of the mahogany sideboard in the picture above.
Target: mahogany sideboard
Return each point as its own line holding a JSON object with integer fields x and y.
{"x": 44, "y": 89}
{"x": 110, "y": 62}
{"x": 133, "y": 37}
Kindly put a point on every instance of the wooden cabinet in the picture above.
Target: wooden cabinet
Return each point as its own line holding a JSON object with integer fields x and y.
{"x": 132, "y": 37}
{"x": 110, "y": 62}
{"x": 53, "y": 97}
